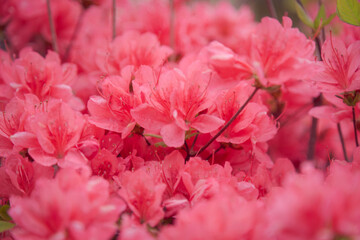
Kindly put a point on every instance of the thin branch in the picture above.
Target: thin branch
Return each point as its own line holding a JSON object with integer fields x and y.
{"x": 229, "y": 122}
{"x": 354, "y": 123}
{"x": 113, "y": 19}
{"x": 187, "y": 148}
{"x": 73, "y": 37}
{"x": 52, "y": 27}
{"x": 214, "y": 152}
{"x": 272, "y": 9}
{"x": 300, "y": 3}
{"x": 172, "y": 29}
{"x": 313, "y": 131}
{"x": 193, "y": 143}
{"x": 342, "y": 142}
{"x": 312, "y": 141}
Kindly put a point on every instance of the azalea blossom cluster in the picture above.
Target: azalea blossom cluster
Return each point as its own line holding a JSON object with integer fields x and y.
{"x": 176, "y": 120}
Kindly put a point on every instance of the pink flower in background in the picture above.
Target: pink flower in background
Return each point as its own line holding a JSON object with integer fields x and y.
{"x": 44, "y": 77}
{"x": 51, "y": 136}
{"x": 143, "y": 196}
{"x": 226, "y": 216}
{"x": 279, "y": 52}
{"x": 161, "y": 79}
{"x": 106, "y": 165}
{"x": 25, "y": 27}
{"x": 132, "y": 48}
{"x": 132, "y": 230}
{"x": 71, "y": 206}
{"x": 18, "y": 175}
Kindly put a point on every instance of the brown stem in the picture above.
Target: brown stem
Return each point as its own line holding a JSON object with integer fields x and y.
{"x": 313, "y": 131}
{"x": 342, "y": 142}
{"x": 354, "y": 123}
{"x": 271, "y": 8}
{"x": 300, "y": 3}
{"x": 217, "y": 150}
{"x": 113, "y": 19}
{"x": 52, "y": 27}
{"x": 229, "y": 122}
{"x": 73, "y": 37}
{"x": 193, "y": 144}
{"x": 172, "y": 29}
{"x": 312, "y": 141}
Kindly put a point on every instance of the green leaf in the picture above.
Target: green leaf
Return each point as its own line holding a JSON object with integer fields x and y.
{"x": 190, "y": 135}
{"x": 152, "y": 135}
{"x": 4, "y": 226}
{"x": 160, "y": 144}
{"x": 349, "y": 11}
{"x": 328, "y": 20}
{"x": 304, "y": 17}
{"x": 3, "y": 213}
{"x": 320, "y": 17}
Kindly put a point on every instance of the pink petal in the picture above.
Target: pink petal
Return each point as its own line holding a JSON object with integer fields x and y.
{"x": 206, "y": 123}
{"x": 322, "y": 112}
{"x": 61, "y": 91}
{"x": 41, "y": 157}
{"x": 172, "y": 135}
{"x": 24, "y": 139}
{"x": 148, "y": 117}
{"x": 73, "y": 159}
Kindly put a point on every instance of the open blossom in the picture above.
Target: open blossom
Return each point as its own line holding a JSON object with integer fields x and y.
{"x": 51, "y": 135}
{"x": 173, "y": 104}
{"x": 279, "y": 52}
{"x": 340, "y": 69}
{"x": 106, "y": 165}
{"x": 12, "y": 120}
{"x": 143, "y": 196}
{"x": 253, "y": 124}
{"x": 132, "y": 48}
{"x": 71, "y": 206}
{"x": 226, "y": 216}
{"x": 44, "y": 77}
{"x": 18, "y": 175}
{"x": 111, "y": 111}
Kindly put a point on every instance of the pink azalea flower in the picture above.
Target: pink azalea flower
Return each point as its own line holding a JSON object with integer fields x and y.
{"x": 30, "y": 18}
{"x": 143, "y": 196}
{"x": 253, "y": 124}
{"x": 71, "y": 206}
{"x": 18, "y": 175}
{"x": 44, "y": 77}
{"x": 226, "y": 216}
{"x": 336, "y": 110}
{"x": 132, "y": 230}
{"x": 51, "y": 136}
{"x": 106, "y": 164}
{"x": 297, "y": 217}
{"x": 173, "y": 104}
{"x": 111, "y": 111}
{"x": 279, "y": 52}
{"x": 132, "y": 48}
{"x": 340, "y": 67}
{"x": 12, "y": 120}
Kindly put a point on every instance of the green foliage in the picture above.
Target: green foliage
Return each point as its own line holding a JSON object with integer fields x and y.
{"x": 320, "y": 20}
{"x": 4, "y": 226}
{"x": 3, "y": 213}
{"x": 304, "y": 17}
{"x": 349, "y": 11}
